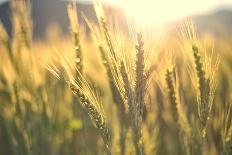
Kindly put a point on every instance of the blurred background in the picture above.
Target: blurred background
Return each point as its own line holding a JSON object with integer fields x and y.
{"x": 38, "y": 113}
{"x": 211, "y": 16}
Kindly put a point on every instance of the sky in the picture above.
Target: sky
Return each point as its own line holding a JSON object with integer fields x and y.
{"x": 157, "y": 11}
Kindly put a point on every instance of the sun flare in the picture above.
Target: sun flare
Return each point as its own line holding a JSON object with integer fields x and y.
{"x": 148, "y": 12}
{"x": 157, "y": 12}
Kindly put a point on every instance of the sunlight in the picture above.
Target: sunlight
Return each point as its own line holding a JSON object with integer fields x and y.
{"x": 149, "y": 12}
{"x": 157, "y": 12}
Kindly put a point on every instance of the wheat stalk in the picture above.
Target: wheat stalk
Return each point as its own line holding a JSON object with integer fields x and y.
{"x": 72, "y": 12}
{"x": 73, "y": 18}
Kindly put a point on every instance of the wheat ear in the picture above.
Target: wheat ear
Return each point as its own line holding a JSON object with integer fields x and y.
{"x": 137, "y": 105}
{"x": 172, "y": 95}
{"x": 96, "y": 116}
{"x": 204, "y": 106}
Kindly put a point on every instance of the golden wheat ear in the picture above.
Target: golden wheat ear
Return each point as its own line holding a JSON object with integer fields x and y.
{"x": 136, "y": 106}
{"x": 96, "y": 115}
{"x": 87, "y": 96}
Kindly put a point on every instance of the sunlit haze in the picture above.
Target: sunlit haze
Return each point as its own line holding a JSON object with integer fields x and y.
{"x": 156, "y": 12}
{"x": 160, "y": 11}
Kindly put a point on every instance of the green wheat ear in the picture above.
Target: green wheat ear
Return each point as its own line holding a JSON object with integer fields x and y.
{"x": 172, "y": 95}
{"x": 204, "y": 105}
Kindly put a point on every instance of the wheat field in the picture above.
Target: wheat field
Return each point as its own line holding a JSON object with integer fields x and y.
{"x": 113, "y": 92}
